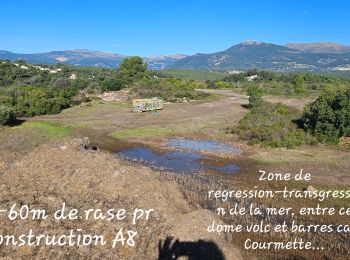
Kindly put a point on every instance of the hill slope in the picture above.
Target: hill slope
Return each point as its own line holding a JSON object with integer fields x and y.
{"x": 317, "y": 47}
{"x": 319, "y": 57}
{"x": 266, "y": 56}
{"x": 87, "y": 58}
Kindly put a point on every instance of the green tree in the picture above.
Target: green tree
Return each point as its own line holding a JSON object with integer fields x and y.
{"x": 62, "y": 82}
{"x": 210, "y": 84}
{"x": 298, "y": 84}
{"x": 21, "y": 62}
{"x": 255, "y": 96}
{"x": 132, "y": 69}
{"x": 79, "y": 83}
{"x": 6, "y": 115}
{"x": 111, "y": 84}
{"x": 252, "y": 72}
{"x": 328, "y": 118}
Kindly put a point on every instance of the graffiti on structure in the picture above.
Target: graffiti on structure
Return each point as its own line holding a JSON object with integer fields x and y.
{"x": 149, "y": 104}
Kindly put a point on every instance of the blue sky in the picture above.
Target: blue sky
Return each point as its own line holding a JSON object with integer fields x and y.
{"x": 168, "y": 26}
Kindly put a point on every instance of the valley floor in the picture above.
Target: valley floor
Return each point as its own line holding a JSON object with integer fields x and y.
{"x": 43, "y": 151}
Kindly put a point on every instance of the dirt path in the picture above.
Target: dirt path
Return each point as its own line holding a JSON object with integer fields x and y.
{"x": 192, "y": 116}
{"x": 294, "y": 102}
{"x": 204, "y": 120}
{"x": 204, "y": 117}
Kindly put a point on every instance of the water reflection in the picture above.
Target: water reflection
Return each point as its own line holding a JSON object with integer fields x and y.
{"x": 176, "y": 161}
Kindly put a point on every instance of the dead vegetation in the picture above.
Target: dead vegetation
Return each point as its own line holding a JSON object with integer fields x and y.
{"x": 62, "y": 172}
{"x": 195, "y": 189}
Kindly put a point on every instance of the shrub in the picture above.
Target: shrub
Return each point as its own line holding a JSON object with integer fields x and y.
{"x": 273, "y": 125}
{"x": 6, "y": 115}
{"x": 111, "y": 84}
{"x": 328, "y": 118}
{"x": 79, "y": 83}
{"x": 170, "y": 89}
{"x": 32, "y": 101}
{"x": 61, "y": 82}
{"x": 217, "y": 84}
{"x": 287, "y": 84}
{"x": 210, "y": 84}
{"x": 255, "y": 96}
{"x": 298, "y": 84}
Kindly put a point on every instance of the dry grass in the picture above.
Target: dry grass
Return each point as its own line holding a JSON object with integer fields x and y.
{"x": 195, "y": 190}
{"x": 204, "y": 120}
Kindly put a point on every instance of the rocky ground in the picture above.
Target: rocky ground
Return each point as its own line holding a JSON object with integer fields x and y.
{"x": 64, "y": 172}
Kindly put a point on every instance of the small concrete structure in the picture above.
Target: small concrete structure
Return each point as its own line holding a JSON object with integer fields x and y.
{"x": 147, "y": 104}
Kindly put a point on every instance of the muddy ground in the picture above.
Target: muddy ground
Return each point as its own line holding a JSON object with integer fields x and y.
{"x": 200, "y": 120}
{"x": 31, "y": 152}
{"x": 62, "y": 172}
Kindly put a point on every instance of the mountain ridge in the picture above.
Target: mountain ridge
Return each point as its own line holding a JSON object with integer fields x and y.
{"x": 267, "y": 56}
{"x": 89, "y": 58}
{"x": 318, "y": 56}
{"x": 322, "y": 46}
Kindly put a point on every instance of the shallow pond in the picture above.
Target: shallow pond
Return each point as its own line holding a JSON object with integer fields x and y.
{"x": 188, "y": 161}
{"x": 203, "y": 146}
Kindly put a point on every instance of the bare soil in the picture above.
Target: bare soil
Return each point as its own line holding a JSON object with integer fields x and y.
{"x": 34, "y": 174}
{"x": 61, "y": 172}
{"x": 202, "y": 120}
